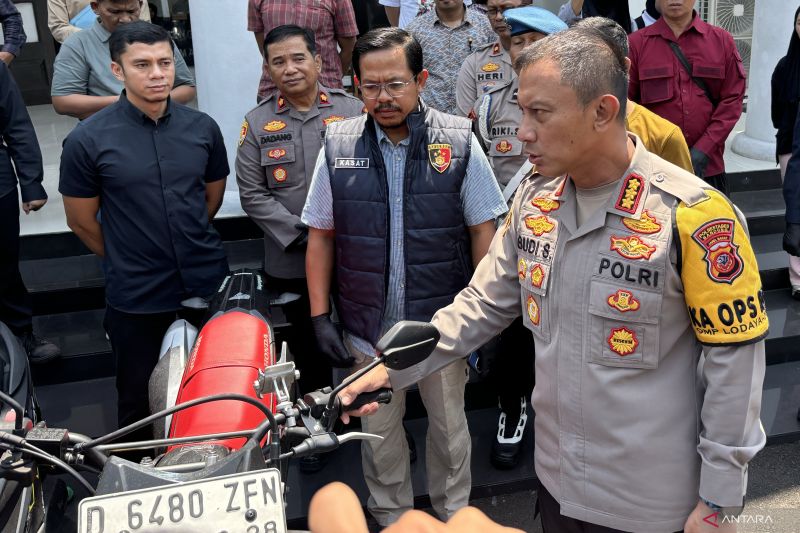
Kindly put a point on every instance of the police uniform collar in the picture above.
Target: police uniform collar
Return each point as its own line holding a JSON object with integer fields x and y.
{"x": 629, "y": 198}
{"x": 101, "y": 32}
{"x": 514, "y": 89}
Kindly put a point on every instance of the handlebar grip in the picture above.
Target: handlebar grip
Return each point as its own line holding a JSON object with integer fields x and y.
{"x": 383, "y": 395}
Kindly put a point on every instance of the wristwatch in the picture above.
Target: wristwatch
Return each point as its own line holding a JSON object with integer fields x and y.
{"x": 724, "y": 512}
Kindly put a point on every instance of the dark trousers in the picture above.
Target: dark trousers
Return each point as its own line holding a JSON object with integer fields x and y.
{"x": 719, "y": 182}
{"x": 135, "y": 343}
{"x": 511, "y": 373}
{"x": 315, "y": 370}
{"x": 15, "y": 304}
{"x": 554, "y": 522}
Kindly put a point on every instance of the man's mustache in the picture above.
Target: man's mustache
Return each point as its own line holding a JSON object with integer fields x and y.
{"x": 386, "y": 107}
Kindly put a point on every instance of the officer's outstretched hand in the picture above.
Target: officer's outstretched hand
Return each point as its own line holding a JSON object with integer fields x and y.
{"x": 791, "y": 239}
{"x": 699, "y": 162}
{"x": 329, "y": 340}
{"x": 373, "y": 380}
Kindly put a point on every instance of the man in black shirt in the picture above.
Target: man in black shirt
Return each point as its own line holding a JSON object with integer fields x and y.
{"x": 157, "y": 169}
{"x": 18, "y": 143}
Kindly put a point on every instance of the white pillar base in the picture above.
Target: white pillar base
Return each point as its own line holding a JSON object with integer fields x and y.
{"x": 752, "y": 148}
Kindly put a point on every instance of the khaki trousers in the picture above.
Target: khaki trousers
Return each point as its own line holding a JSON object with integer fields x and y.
{"x": 387, "y": 470}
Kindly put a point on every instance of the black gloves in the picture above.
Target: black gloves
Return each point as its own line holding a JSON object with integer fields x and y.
{"x": 329, "y": 340}
{"x": 301, "y": 241}
{"x": 791, "y": 239}
{"x": 699, "y": 162}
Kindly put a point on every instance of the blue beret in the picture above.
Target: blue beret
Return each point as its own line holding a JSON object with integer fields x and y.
{"x": 531, "y": 18}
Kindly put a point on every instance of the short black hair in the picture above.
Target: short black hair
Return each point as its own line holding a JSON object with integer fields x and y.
{"x": 287, "y": 31}
{"x": 137, "y": 31}
{"x": 386, "y": 39}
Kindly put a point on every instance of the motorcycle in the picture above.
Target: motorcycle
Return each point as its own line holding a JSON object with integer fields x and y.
{"x": 225, "y": 426}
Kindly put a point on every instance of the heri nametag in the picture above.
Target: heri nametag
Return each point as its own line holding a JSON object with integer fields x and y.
{"x": 351, "y": 162}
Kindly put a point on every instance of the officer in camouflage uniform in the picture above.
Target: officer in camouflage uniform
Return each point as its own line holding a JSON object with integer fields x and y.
{"x": 278, "y": 146}
{"x": 640, "y": 287}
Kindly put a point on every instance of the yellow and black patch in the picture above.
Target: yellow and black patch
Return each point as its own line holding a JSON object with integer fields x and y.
{"x": 721, "y": 283}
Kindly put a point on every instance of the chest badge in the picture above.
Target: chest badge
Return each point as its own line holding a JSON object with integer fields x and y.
{"x": 490, "y": 67}
{"x": 647, "y": 224}
{"x": 539, "y": 225}
{"x": 243, "y": 132}
{"x": 504, "y": 146}
{"x": 623, "y": 301}
{"x": 622, "y": 341}
{"x": 276, "y": 153}
{"x": 522, "y": 268}
{"x": 722, "y": 256}
{"x": 545, "y": 205}
{"x": 274, "y": 125}
{"x": 631, "y": 194}
{"x": 533, "y": 311}
{"x": 331, "y": 119}
{"x": 440, "y": 155}
{"x": 537, "y": 276}
{"x": 632, "y": 247}
{"x": 279, "y": 174}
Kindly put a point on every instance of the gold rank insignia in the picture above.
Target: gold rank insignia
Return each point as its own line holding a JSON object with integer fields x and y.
{"x": 331, "y": 119}
{"x": 545, "y": 204}
{"x": 533, "y": 311}
{"x": 632, "y": 247}
{"x": 274, "y": 125}
{"x": 539, "y": 225}
{"x": 631, "y": 194}
{"x": 623, "y": 301}
{"x": 647, "y": 224}
{"x": 243, "y": 131}
{"x": 522, "y": 268}
{"x": 490, "y": 67}
{"x": 276, "y": 153}
{"x": 281, "y": 103}
{"x": 622, "y": 341}
{"x": 323, "y": 98}
{"x": 496, "y": 49}
{"x": 279, "y": 174}
{"x": 503, "y": 146}
{"x": 537, "y": 276}
{"x": 439, "y": 155}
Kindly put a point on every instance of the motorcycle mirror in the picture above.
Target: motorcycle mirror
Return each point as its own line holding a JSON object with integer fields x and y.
{"x": 407, "y": 343}
{"x": 196, "y": 303}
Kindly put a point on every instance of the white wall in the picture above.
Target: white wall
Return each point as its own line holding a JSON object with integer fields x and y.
{"x": 227, "y": 68}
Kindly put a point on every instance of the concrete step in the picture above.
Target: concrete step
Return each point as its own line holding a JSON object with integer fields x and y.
{"x": 764, "y": 210}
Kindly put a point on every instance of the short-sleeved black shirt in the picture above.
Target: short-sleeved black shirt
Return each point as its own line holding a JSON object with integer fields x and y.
{"x": 160, "y": 247}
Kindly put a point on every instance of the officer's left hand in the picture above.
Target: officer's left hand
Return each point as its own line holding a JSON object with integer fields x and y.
{"x": 33, "y": 205}
{"x": 699, "y": 162}
{"x": 791, "y": 239}
{"x": 705, "y": 520}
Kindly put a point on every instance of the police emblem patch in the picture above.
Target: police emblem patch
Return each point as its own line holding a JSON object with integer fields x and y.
{"x": 632, "y": 247}
{"x": 490, "y": 67}
{"x": 631, "y": 194}
{"x": 522, "y": 268}
{"x": 722, "y": 256}
{"x": 274, "y": 125}
{"x": 276, "y": 153}
{"x": 537, "y": 276}
{"x": 622, "y": 341}
{"x": 331, "y": 119}
{"x": 539, "y": 225}
{"x": 623, "y": 301}
{"x": 504, "y": 146}
{"x": 243, "y": 132}
{"x": 323, "y": 98}
{"x": 439, "y": 155}
{"x": 533, "y": 311}
{"x": 544, "y": 204}
{"x": 647, "y": 224}
{"x": 279, "y": 174}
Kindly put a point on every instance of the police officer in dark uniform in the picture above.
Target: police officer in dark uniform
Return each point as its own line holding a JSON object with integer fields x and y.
{"x": 278, "y": 146}
{"x": 20, "y": 145}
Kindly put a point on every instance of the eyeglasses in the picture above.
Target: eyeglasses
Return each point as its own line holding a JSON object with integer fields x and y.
{"x": 393, "y": 88}
{"x": 493, "y": 12}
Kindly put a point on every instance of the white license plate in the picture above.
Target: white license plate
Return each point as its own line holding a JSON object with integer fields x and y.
{"x": 251, "y": 502}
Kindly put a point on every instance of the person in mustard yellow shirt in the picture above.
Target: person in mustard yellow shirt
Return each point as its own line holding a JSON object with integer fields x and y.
{"x": 659, "y": 135}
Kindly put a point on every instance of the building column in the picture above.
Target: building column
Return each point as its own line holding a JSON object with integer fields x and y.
{"x": 227, "y": 70}
{"x": 774, "y": 22}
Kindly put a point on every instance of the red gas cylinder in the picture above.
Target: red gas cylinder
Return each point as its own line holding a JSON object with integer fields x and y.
{"x": 226, "y": 358}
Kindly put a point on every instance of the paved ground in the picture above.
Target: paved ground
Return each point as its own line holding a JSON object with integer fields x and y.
{"x": 773, "y": 504}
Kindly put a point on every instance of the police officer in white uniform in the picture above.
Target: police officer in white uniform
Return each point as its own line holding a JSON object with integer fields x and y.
{"x": 640, "y": 287}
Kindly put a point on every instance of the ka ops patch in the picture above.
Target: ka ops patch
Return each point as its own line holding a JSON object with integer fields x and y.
{"x": 721, "y": 283}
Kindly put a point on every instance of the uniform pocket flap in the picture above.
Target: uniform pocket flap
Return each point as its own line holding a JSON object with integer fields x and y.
{"x": 708, "y": 70}
{"x": 626, "y": 304}
{"x": 657, "y": 71}
{"x": 277, "y": 154}
{"x": 505, "y": 147}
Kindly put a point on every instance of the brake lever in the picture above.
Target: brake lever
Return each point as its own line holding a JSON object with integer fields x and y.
{"x": 358, "y": 435}
{"x": 327, "y": 442}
